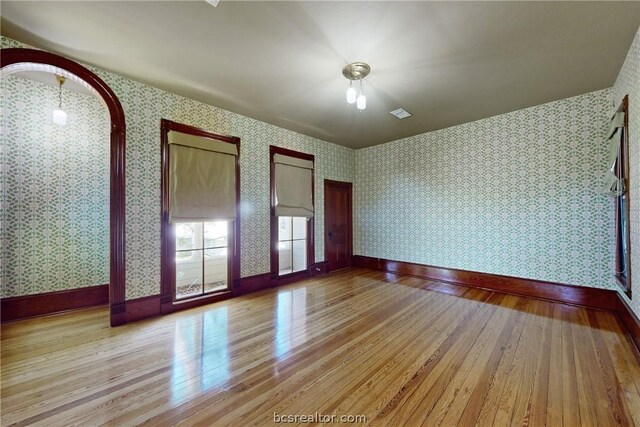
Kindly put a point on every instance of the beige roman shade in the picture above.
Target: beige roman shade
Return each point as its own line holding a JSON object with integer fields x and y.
{"x": 202, "y": 178}
{"x": 613, "y": 185}
{"x": 617, "y": 121}
{"x": 293, "y": 186}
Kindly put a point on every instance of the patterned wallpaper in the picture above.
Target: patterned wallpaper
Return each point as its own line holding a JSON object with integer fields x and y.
{"x": 514, "y": 194}
{"x": 628, "y": 82}
{"x": 56, "y": 190}
{"x": 144, "y": 107}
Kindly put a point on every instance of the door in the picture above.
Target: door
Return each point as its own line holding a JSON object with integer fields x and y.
{"x": 338, "y": 228}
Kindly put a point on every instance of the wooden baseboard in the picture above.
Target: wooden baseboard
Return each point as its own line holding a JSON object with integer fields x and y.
{"x": 118, "y": 313}
{"x": 629, "y": 320}
{"x": 142, "y": 308}
{"x": 151, "y": 306}
{"x": 576, "y": 295}
{"x": 603, "y": 299}
{"x": 24, "y": 307}
{"x": 250, "y": 284}
{"x": 289, "y": 278}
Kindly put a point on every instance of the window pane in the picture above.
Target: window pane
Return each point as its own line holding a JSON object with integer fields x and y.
{"x": 299, "y": 255}
{"x": 188, "y": 273}
{"x": 623, "y": 236}
{"x": 215, "y": 234}
{"x": 284, "y": 228}
{"x": 188, "y": 235}
{"x": 215, "y": 269}
{"x": 299, "y": 228}
{"x": 284, "y": 255}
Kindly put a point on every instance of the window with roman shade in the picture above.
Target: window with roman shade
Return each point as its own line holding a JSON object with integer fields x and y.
{"x": 617, "y": 186}
{"x": 202, "y": 178}
{"x": 200, "y": 231}
{"x": 292, "y": 212}
{"x": 293, "y": 181}
{"x": 614, "y": 179}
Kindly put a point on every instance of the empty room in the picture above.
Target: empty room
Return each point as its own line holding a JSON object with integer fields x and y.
{"x": 320, "y": 213}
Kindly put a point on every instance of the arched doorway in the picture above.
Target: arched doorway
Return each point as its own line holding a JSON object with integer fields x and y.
{"x": 15, "y": 60}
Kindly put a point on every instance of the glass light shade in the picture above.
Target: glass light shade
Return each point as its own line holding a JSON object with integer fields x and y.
{"x": 361, "y": 103}
{"x": 351, "y": 95}
{"x": 59, "y": 117}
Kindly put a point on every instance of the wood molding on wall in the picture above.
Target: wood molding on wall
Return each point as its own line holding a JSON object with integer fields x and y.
{"x": 16, "y": 308}
{"x": 28, "y": 306}
{"x": 167, "y": 251}
{"x": 289, "y": 278}
{"x": 250, "y": 284}
{"x": 603, "y": 299}
{"x": 117, "y": 189}
{"x": 629, "y": 319}
{"x": 556, "y": 292}
{"x": 23, "y": 307}
{"x": 142, "y": 308}
{"x": 151, "y": 306}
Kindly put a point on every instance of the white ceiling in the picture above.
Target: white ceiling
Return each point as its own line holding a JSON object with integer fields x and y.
{"x": 445, "y": 62}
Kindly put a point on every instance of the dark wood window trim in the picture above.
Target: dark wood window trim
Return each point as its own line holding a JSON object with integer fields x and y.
{"x": 168, "y": 301}
{"x": 117, "y": 167}
{"x": 623, "y": 282}
{"x": 276, "y": 279}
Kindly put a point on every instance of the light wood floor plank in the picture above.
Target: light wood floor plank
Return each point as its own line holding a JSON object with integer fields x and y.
{"x": 397, "y": 350}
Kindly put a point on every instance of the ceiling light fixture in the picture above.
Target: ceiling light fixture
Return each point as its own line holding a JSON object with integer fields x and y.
{"x": 356, "y": 71}
{"x": 59, "y": 116}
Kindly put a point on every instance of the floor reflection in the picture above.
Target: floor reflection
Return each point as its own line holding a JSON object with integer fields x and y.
{"x": 291, "y": 320}
{"x": 200, "y": 351}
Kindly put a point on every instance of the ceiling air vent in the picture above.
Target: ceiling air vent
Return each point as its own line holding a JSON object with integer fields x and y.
{"x": 401, "y": 113}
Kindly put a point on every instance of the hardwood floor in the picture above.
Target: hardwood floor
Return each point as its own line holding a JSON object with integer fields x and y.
{"x": 397, "y": 350}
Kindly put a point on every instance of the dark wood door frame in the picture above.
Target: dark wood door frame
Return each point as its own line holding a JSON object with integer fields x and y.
{"x": 168, "y": 303}
{"x": 276, "y": 279}
{"x": 117, "y": 188}
{"x": 349, "y": 187}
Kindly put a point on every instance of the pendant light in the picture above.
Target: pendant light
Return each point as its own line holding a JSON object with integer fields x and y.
{"x": 351, "y": 94}
{"x": 354, "y": 72}
{"x": 361, "y": 101}
{"x": 59, "y": 116}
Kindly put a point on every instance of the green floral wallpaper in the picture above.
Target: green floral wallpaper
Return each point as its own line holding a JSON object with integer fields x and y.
{"x": 514, "y": 194}
{"x": 628, "y": 83}
{"x": 55, "y": 208}
{"x": 144, "y": 107}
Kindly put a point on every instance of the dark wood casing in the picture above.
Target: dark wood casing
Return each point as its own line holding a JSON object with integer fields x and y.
{"x": 276, "y": 279}
{"x": 117, "y": 162}
{"x": 168, "y": 303}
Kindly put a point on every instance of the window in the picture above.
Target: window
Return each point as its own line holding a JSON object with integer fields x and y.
{"x": 621, "y": 172}
{"x": 292, "y": 244}
{"x": 200, "y": 230}
{"x": 292, "y": 212}
{"x": 201, "y": 258}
